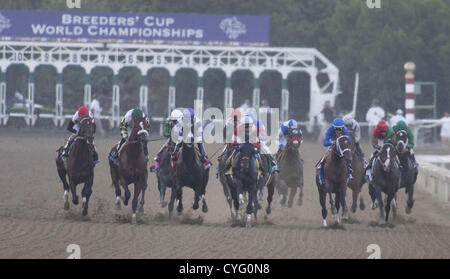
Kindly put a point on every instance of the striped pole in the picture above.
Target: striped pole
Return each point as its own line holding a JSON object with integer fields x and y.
{"x": 409, "y": 91}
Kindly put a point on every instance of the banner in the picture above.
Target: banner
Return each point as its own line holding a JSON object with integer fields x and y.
{"x": 127, "y": 27}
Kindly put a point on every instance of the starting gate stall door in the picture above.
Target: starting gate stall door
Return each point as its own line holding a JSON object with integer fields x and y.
{"x": 74, "y": 78}
{"x": 130, "y": 83}
{"x": 158, "y": 88}
{"x": 214, "y": 82}
{"x": 242, "y": 83}
{"x": 299, "y": 95}
{"x": 102, "y": 79}
{"x": 186, "y": 88}
{"x": 17, "y": 78}
{"x": 270, "y": 84}
{"x": 45, "y": 88}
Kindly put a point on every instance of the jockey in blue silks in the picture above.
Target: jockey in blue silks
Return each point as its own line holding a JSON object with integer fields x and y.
{"x": 336, "y": 129}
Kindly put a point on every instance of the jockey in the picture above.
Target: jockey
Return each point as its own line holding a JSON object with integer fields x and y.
{"x": 382, "y": 132}
{"x": 188, "y": 116}
{"x": 353, "y": 125}
{"x": 125, "y": 129}
{"x": 248, "y": 131}
{"x": 336, "y": 129}
{"x": 171, "y": 122}
{"x": 284, "y": 132}
{"x": 81, "y": 113}
{"x": 401, "y": 125}
{"x": 231, "y": 124}
{"x": 262, "y": 139}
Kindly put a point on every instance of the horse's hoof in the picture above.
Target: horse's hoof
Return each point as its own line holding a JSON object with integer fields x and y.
{"x": 118, "y": 207}
{"x": 268, "y": 210}
{"x": 205, "y": 209}
{"x": 336, "y": 217}
{"x": 66, "y": 205}
{"x": 353, "y": 209}
{"x": 141, "y": 209}
{"x": 408, "y": 210}
{"x": 75, "y": 200}
{"x": 195, "y": 206}
{"x": 134, "y": 219}
{"x": 381, "y": 221}
{"x": 333, "y": 210}
{"x": 163, "y": 204}
{"x": 85, "y": 211}
{"x": 374, "y": 206}
{"x": 261, "y": 196}
{"x": 362, "y": 206}
{"x": 324, "y": 223}
{"x": 345, "y": 216}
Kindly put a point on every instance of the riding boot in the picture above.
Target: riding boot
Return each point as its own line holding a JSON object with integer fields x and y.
{"x": 280, "y": 150}
{"x": 274, "y": 163}
{"x": 206, "y": 162}
{"x": 67, "y": 147}
{"x": 349, "y": 171}
{"x": 95, "y": 155}
{"x": 321, "y": 172}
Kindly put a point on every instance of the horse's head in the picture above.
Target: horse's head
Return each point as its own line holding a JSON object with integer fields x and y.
{"x": 247, "y": 151}
{"x": 386, "y": 155}
{"x": 86, "y": 129}
{"x": 342, "y": 148}
{"x": 295, "y": 138}
{"x": 138, "y": 131}
{"x": 402, "y": 141}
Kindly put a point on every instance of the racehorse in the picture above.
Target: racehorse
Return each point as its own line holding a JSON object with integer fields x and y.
{"x": 165, "y": 174}
{"x": 245, "y": 175}
{"x": 358, "y": 180}
{"x": 189, "y": 172}
{"x": 80, "y": 165}
{"x": 132, "y": 168}
{"x": 386, "y": 179}
{"x": 335, "y": 172}
{"x": 291, "y": 170}
{"x": 409, "y": 171}
{"x": 224, "y": 179}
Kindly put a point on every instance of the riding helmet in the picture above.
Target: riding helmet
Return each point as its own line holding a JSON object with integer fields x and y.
{"x": 83, "y": 111}
{"x": 348, "y": 120}
{"x": 236, "y": 113}
{"x": 292, "y": 124}
{"x": 137, "y": 113}
{"x": 338, "y": 123}
{"x": 401, "y": 125}
{"x": 175, "y": 115}
{"x": 188, "y": 113}
{"x": 382, "y": 126}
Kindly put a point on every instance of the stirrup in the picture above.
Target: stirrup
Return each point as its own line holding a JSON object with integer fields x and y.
{"x": 275, "y": 169}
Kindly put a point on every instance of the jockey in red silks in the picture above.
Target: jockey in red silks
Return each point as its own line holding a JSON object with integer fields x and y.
{"x": 381, "y": 133}
{"x": 81, "y": 113}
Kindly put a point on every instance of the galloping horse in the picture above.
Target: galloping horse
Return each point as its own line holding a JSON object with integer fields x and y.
{"x": 165, "y": 174}
{"x": 386, "y": 179}
{"x": 291, "y": 170}
{"x": 245, "y": 175}
{"x": 335, "y": 172}
{"x": 358, "y": 180}
{"x": 80, "y": 165}
{"x": 409, "y": 171}
{"x": 132, "y": 168}
{"x": 267, "y": 178}
{"x": 189, "y": 172}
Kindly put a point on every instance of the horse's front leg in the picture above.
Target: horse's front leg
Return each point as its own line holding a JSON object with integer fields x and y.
{"x": 86, "y": 194}
{"x": 144, "y": 187}
{"x": 343, "y": 194}
{"x": 330, "y": 194}
{"x": 180, "y": 200}
{"x": 322, "y": 200}
{"x": 251, "y": 199}
{"x": 410, "y": 201}
{"x": 380, "y": 202}
{"x": 270, "y": 192}
{"x": 73, "y": 189}
{"x": 134, "y": 203}
{"x": 196, "y": 198}
{"x": 62, "y": 175}
{"x": 162, "y": 187}
{"x": 292, "y": 192}
{"x": 300, "y": 195}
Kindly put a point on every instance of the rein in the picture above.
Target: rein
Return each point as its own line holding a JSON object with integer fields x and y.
{"x": 339, "y": 148}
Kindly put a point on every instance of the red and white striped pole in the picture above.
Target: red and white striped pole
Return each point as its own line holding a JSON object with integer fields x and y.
{"x": 409, "y": 91}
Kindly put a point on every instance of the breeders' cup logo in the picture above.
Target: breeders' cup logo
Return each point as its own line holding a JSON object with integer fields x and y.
{"x": 233, "y": 27}
{"x": 4, "y": 23}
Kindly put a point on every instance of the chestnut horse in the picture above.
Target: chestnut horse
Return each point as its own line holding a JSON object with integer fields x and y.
{"x": 335, "y": 172}
{"x": 358, "y": 180}
{"x": 132, "y": 168}
{"x": 80, "y": 165}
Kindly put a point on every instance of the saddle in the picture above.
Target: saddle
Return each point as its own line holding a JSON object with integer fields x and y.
{"x": 258, "y": 166}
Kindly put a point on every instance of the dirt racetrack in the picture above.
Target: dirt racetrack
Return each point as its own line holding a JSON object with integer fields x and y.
{"x": 33, "y": 223}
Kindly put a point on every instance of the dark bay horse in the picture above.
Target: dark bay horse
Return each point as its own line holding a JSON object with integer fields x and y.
{"x": 245, "y": 175}
{"x": 80, "y": 165}
{"x": 266, "y": 179}
{"x": 291, "y": 170}
{"x": 358, "y": 180}
{"x": 132, "y": 168}
{"x": 386, "y": 179}
{"x": 335, "y": 172}
{"x": 165, "y": 174}
{"x": 409, "y": 171}
{"x": 189, "y": 172}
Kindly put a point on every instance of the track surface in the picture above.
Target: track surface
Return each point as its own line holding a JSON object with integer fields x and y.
{"x": 33, "y": 223}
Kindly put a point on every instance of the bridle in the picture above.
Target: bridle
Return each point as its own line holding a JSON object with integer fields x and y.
{"x": 387, "y": 162}
{"x": 340, "y": 152}
{"x": 86, "y": 137}
{"x": 140, "y": 132}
